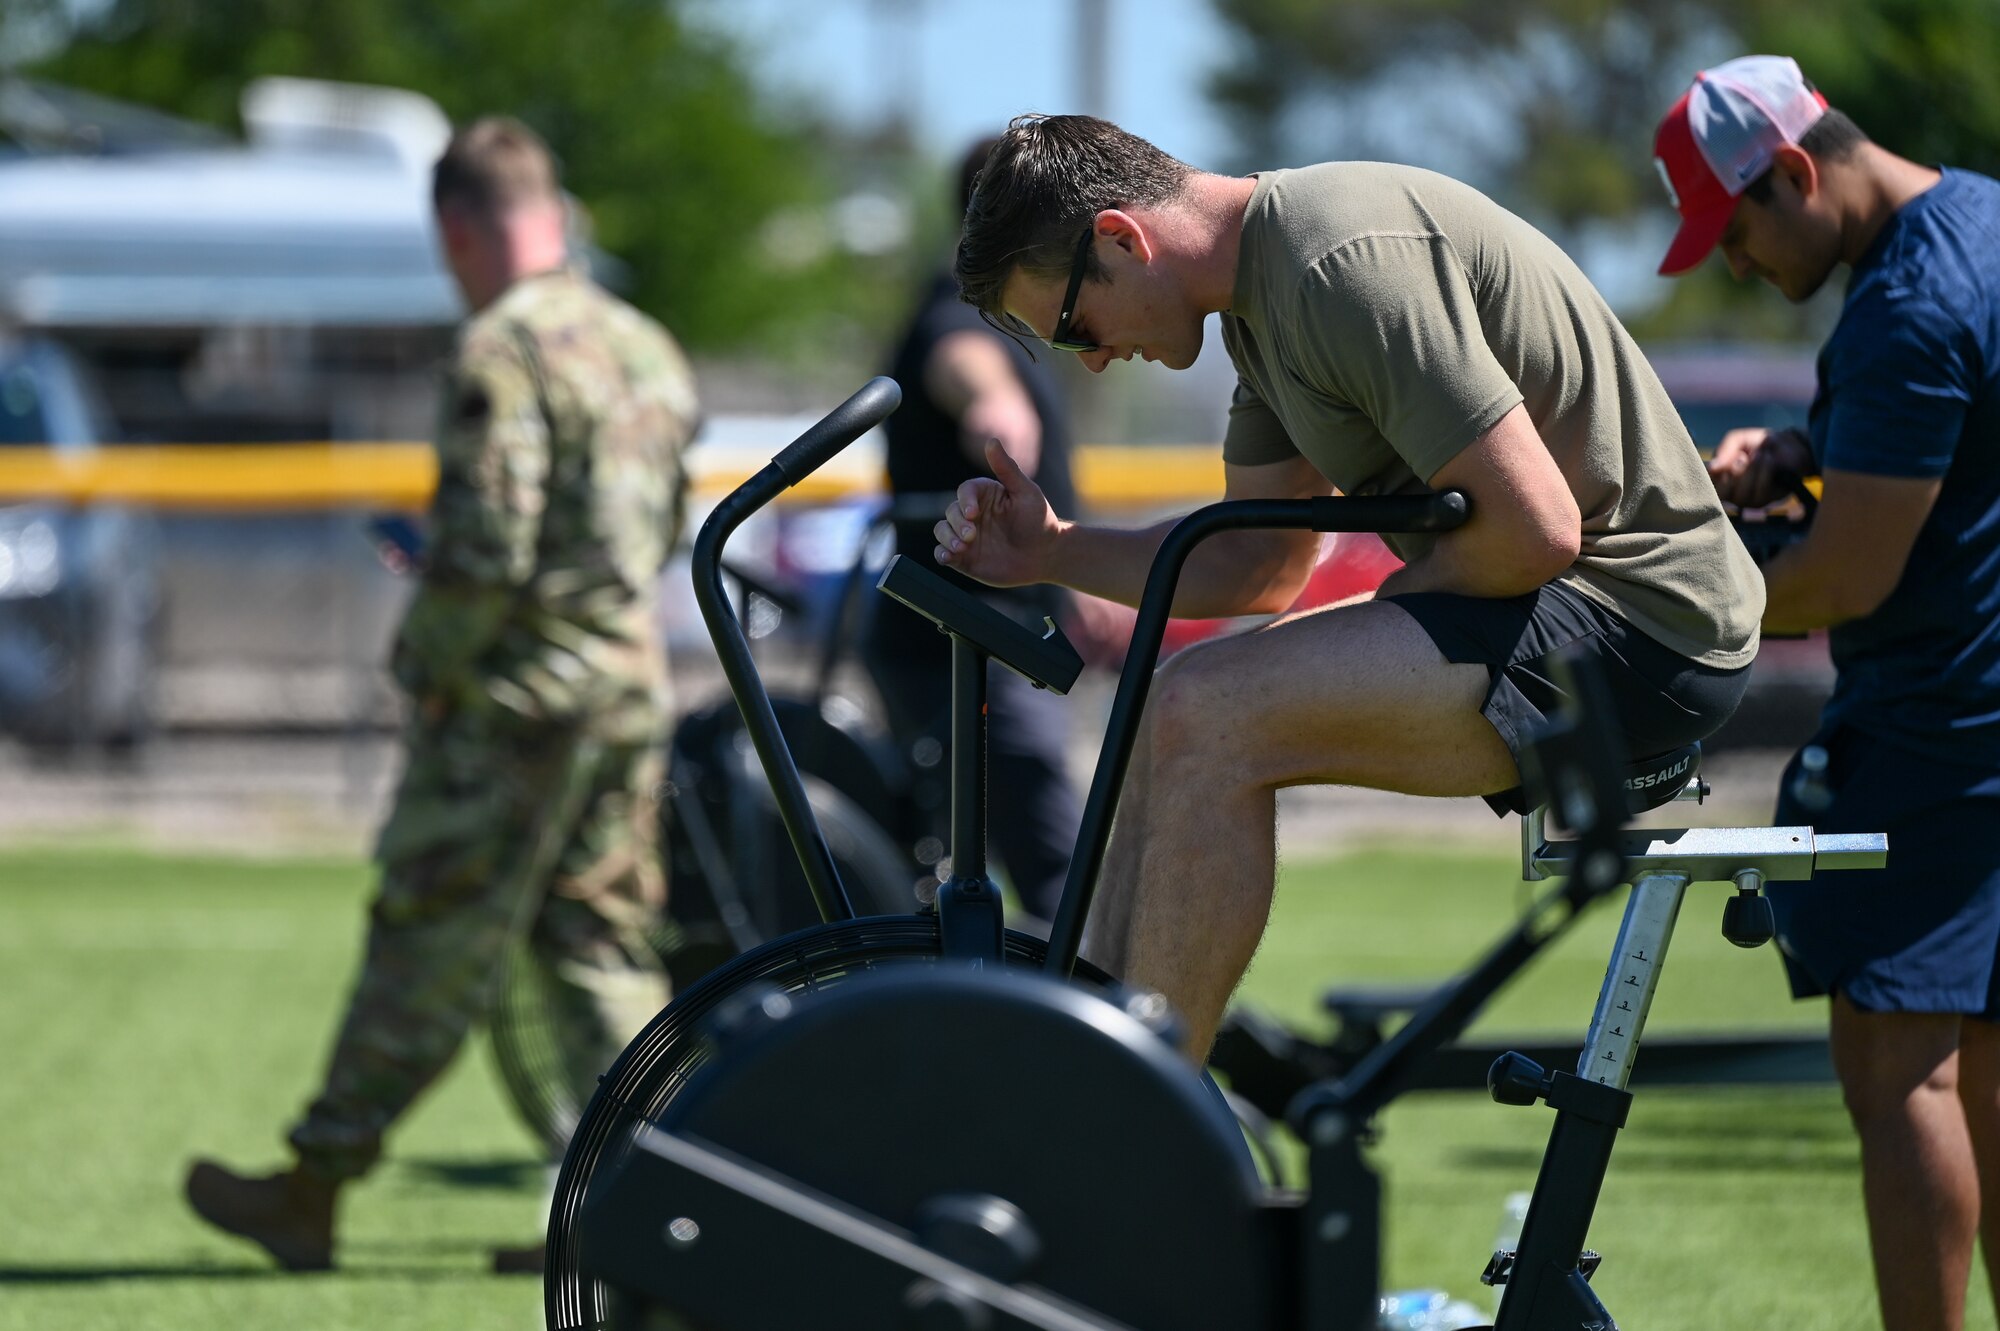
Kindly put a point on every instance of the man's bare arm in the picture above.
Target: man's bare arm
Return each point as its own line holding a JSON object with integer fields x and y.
{"x": 1002, "y": 532}
{"x": 1854, "y": 553}
{"x": 969, "y": 375}
{"x": 1525, "y": 527}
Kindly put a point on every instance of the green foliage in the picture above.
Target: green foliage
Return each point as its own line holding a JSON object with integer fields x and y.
{"x": 1550, "y": 91}
{"x": 1916, "y": 74}
{"x": 1550, "y": 105}
{"x": 1580, "y": 84}
{"x": 661, "y": 134}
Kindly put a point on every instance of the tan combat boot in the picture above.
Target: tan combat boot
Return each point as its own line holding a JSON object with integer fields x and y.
{"x": 289, "y": 1215}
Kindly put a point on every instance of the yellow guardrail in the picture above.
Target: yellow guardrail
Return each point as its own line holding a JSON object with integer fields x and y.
{"x": 401, "y": 476}
{"x": 227, "y": 476}
{"x": 1148, "y": 475}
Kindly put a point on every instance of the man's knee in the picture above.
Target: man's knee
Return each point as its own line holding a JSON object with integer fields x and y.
{"x": 1887, "y": 1061}
{"x": 1196, "y": 716}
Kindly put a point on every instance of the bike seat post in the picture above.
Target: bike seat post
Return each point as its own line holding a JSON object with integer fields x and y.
{"x": 1632, "y": 978}
{"x": 968, "y": 904}
{"x": 1546, "y": 1277}
{"x": 969, "y": 919}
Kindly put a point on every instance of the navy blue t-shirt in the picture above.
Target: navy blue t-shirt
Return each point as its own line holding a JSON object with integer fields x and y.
{"x": 1909, "y": 385}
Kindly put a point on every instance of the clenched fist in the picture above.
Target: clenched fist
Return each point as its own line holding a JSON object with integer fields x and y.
{"x": 999, "y": 531}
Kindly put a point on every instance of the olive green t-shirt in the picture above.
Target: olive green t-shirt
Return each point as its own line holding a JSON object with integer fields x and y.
{"x": 1385, "y": 317}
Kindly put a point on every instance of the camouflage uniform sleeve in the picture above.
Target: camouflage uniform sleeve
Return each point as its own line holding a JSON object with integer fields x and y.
{"x": 485, "y": 521}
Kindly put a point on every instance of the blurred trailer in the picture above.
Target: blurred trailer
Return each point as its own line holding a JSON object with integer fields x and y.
{"x": 287, "y": 288}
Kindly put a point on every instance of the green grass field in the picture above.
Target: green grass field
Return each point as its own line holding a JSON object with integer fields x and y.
{"x": 156, "y": 1008}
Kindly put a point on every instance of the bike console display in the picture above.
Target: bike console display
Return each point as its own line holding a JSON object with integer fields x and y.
{"x": 1047, "y": 661}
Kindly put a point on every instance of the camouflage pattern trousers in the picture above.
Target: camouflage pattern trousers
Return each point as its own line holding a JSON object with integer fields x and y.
{"x": 501, "y": 833}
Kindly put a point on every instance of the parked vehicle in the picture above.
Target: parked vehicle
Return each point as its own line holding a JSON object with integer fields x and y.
{"x": 78, "y": 591}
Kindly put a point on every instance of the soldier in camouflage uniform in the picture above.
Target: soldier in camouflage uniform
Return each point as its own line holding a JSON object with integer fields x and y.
{"x": 537, "y": 683}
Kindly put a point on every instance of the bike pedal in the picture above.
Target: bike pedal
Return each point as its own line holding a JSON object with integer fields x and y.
{"x": 1502, "y": 1265}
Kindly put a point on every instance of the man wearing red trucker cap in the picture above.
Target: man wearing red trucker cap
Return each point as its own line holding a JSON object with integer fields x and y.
{"x": 1902, "y": 565}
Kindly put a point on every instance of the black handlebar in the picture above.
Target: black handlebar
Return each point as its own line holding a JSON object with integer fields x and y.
{"x": 799, "y": 459}
{"x": 847, "y": 422}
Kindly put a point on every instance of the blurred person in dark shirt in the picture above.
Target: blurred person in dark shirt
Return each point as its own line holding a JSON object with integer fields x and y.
{"x": 964, "y": 385}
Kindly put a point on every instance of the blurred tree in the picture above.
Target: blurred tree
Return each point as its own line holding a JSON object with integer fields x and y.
{"x": 1550, "y": 105}
{"x": 716, "y": 201}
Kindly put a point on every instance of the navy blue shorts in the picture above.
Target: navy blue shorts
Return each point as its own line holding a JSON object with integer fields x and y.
{"x": 1663, "y": 700}
{"x": 1922, "y": 934}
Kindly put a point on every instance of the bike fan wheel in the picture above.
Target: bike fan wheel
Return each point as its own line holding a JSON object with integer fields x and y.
{"x": 657, "y": 1064}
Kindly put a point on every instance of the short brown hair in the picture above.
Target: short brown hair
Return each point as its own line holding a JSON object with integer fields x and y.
{"x": 493, "y": 165}
{"x": 1044, "y": 181}
{"x": 969, "y": 167}
{"x": 1831, "y": 138}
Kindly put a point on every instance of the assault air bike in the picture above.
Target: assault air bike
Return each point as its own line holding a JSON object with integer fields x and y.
{"x": 928, "y": 1121}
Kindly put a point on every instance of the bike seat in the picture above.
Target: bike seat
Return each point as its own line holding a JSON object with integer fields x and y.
{"x": 1658, "y": 779}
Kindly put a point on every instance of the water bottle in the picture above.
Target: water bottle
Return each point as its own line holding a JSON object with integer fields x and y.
{"x": 1426, "y": 1310}
{"x": 1810, "y": 787}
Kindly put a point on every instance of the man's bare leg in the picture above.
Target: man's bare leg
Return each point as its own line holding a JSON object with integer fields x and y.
{"x": 1357, "y": 695}
{"x": 1899, "y": 1074}
{"x": 1979, "y": 1092}
{"x": 1111, "y": 909}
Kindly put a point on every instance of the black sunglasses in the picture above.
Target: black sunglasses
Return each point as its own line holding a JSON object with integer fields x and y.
{"x": 1060, "y": 339}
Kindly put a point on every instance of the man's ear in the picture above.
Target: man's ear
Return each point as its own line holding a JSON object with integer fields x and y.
{"x": 454, "y": 229}
{"x": 1798, "y": 167}
{"x": 1126, "y": 232}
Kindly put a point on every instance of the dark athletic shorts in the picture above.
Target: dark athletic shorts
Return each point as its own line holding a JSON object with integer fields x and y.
{"x": 1663, "y": 700}
{"x": 1921, "y": 934}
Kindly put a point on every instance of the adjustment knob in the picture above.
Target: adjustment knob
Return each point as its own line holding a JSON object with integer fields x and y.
{"x": 1516, "y": 1079}
{"x": 1747, "y": 920}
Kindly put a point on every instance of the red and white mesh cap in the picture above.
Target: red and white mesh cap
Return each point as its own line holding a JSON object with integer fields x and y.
{"x": 1720, "y": 137}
